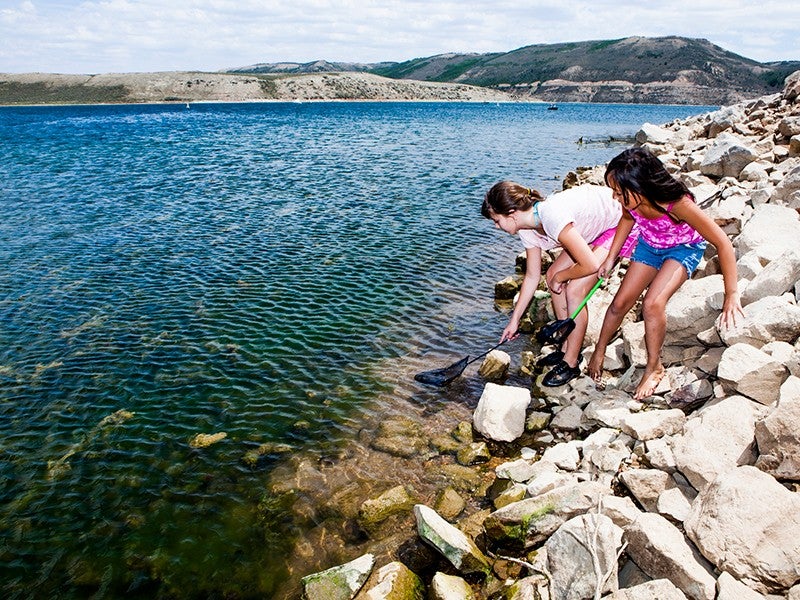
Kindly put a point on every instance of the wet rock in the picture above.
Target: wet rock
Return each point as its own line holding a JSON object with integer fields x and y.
{"x": 204, "y": 440}
{"x": 454, "y": 545}
{"x": 375, "y": 511}
{"x": 449, "y": 504}
{"x": 531, "y": 521}
{"x": 400, "y": 436}
{"x": 450, "y": 587}
{"x": 394, "y": 581}
{"x": 507, "y": 288}
{"x": 537, "y": 421}
{"x": 338, "y": 583}
{"x": 495, "y": 366}
{"x": 473, "y": 454}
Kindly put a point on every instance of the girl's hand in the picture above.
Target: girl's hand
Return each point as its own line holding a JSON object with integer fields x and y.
{"x": 511, "y": 331}
{"x": 731, "y": 311}
{"x": 605, "y": 268}
{"x": 553, "y": 283}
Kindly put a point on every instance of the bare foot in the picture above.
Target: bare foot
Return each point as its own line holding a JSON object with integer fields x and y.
{"x": 649, "y": 382}
{"x": 595, "y": 367}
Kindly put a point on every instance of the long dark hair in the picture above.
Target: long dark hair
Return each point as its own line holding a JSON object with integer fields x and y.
{"x": 505, "y": 197}
{"x": 639, "y": 171}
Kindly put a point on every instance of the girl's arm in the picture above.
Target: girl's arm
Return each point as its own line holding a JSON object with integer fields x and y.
{"x": 533, "y": 272}
{"x": 585, "y": 263}
{"x": 624, "y": 228}
{"x": 688, "y": 211}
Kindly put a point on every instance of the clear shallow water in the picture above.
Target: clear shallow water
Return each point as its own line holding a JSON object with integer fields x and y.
{"x": 265, "y": 270}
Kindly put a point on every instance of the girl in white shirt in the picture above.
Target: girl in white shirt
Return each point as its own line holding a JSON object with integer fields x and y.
{"x": 581, "y": 220}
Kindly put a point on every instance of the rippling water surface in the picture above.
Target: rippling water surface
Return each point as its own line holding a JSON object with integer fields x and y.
{"x": 269, "y": 271}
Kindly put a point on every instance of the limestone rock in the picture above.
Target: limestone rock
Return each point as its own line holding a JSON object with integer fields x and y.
{"x": 531, "y": 521}
{"x": 752, "y": 373}
{"x": 662, "y": 551}
{"x": 572, "y": 551}
{"x": 777, "y": 434}
{"x": 662, "y": 589}
{"x": 717, "y": 438}
{"x": 450, "y": 587}
{"x": 393, "y": 581}
{"x": 748, "y": 524}
{"x": 338, "y": 583}
{"x": 495, "y": 365}
{"x": 500, "y": 414}
{"x": 456, "y": 547}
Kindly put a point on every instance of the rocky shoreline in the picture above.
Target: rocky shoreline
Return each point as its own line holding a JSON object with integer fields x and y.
{"x": 581, "y": 492}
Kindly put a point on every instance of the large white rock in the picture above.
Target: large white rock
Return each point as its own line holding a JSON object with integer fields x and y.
{"x": 748, "y": 524}
{"x": 769, "y": 232}
{"x": 726, "y": 157}
{"x": 580, "y": 553}
{"x": 693, "y": 308}
{"x": 729, "y": 588}
{"x": 500, "y": 414}
{"x": 662, "y": 589}
{"x": 785, "y": 192}
{"x": 751, "y": 372}
{"x": 662, "y": 551}
{"x": 651, "y": 424}
{"x": 717, "y": 438}
{"x": 779, "y": 276}
{"x": 778, "y": 435}
{"x": 771, "y": 319}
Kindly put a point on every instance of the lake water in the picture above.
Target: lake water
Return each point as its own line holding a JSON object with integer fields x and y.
{"x": 275, "y": 272}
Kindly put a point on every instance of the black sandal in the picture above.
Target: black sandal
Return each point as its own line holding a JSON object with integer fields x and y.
{"x": 561, "y": 374}
{"x": 549, "y": 360}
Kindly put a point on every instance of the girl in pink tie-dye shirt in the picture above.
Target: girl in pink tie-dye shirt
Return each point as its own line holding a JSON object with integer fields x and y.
{"x": 672, "y": 239}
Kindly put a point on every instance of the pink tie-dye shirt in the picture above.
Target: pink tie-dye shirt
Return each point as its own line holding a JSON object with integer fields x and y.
{"x": 664, "y": 232}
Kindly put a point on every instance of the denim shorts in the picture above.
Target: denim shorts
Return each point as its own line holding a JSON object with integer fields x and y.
{"x": 688, "y": 255}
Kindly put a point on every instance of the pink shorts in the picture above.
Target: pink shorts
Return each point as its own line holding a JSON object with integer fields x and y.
{"x": 604, "y": 241}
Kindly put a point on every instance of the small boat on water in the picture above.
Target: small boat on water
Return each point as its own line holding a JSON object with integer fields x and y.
{"x": 552, "y": 107}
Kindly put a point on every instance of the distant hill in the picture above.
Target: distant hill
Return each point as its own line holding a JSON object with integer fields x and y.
{"x": 633, "y": 69}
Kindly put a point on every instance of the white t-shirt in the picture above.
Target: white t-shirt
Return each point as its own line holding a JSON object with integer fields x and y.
{"x": 590, "y": 208}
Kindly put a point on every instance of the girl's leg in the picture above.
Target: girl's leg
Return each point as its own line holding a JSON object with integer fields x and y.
{"x": 637, "y": 278}
{"x": 669, "y": 278}
{"x": 562, "y": 261}
{"x": 576, "y": 292}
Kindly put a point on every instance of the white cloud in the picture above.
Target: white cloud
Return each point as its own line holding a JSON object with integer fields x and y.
{"x": 147, "y": 35}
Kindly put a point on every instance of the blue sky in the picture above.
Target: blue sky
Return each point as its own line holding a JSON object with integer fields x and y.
{"x": 102, "y": 36}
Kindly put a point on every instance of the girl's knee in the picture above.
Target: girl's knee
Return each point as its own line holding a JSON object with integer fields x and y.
{"x": 653, "y": 308}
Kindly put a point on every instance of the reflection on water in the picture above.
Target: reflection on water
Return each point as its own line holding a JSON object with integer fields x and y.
{"x": 274, "y": 272}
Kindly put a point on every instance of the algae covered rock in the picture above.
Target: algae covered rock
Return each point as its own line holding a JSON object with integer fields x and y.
{"x": 338, "y": 583}
{"x": 453, "y": 544}
{"x": 377, "y": 510}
